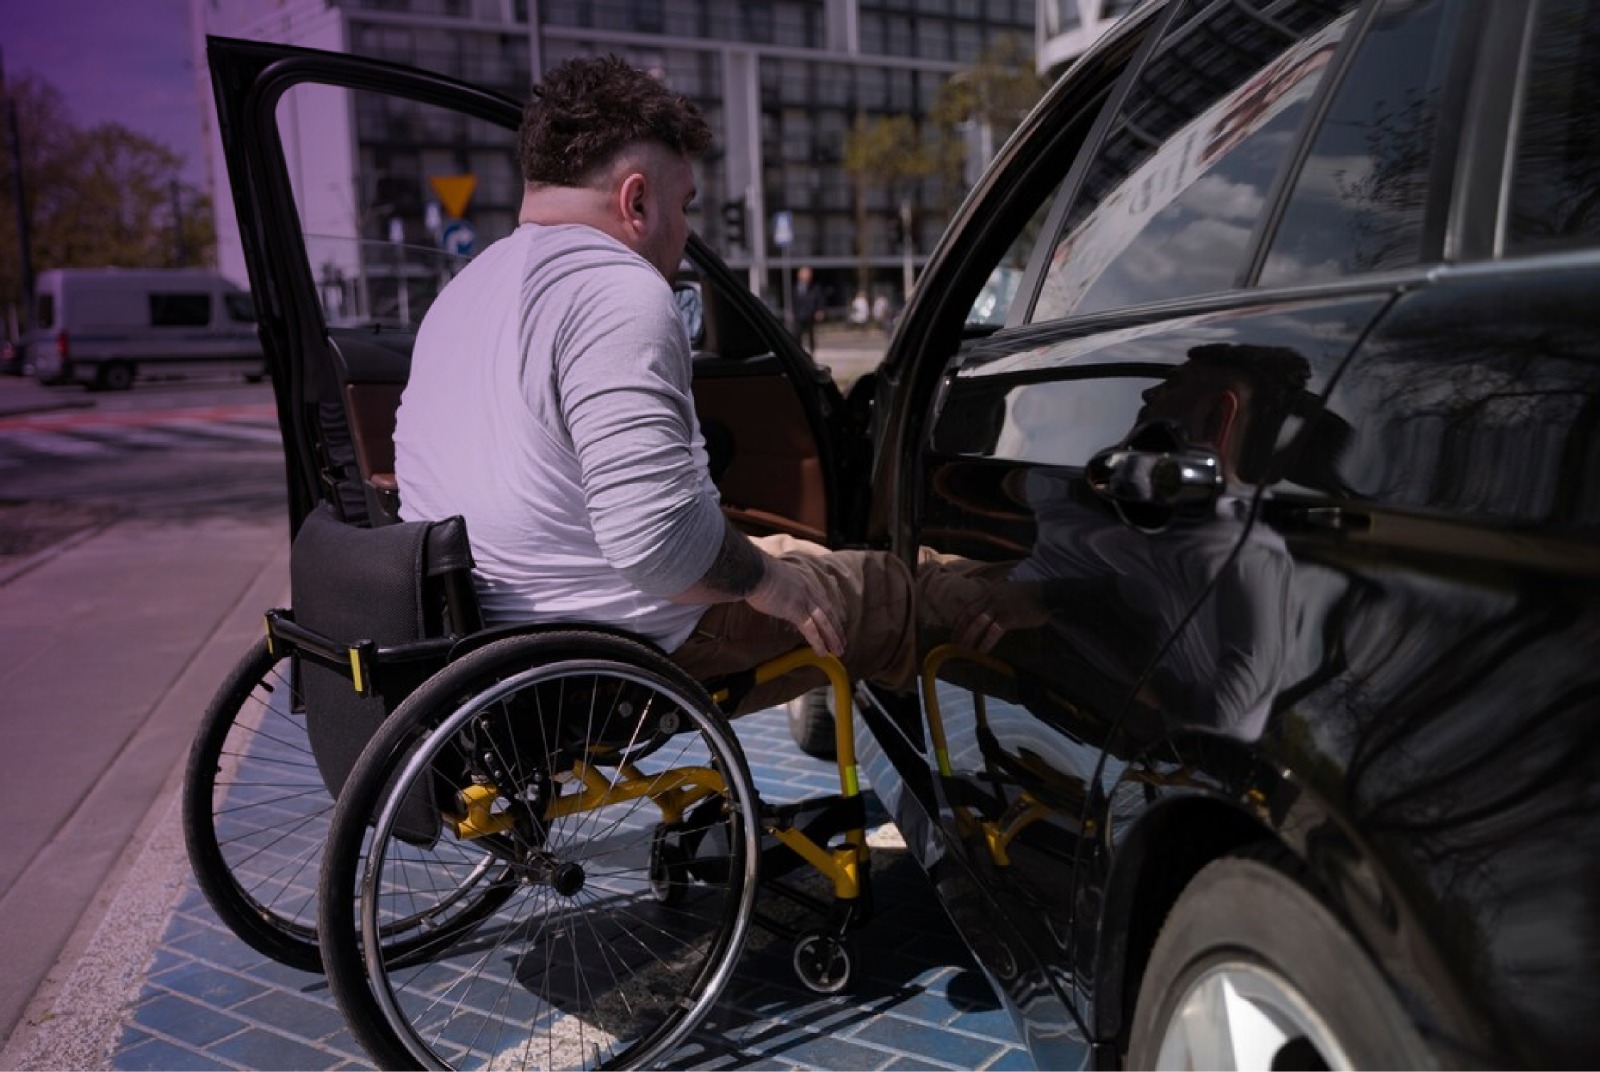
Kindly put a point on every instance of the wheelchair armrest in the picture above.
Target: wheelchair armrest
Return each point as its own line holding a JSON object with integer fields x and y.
{"x": 361, "y": 661}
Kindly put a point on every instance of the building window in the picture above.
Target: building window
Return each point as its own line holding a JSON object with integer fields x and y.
{"x": 1061, "y": 16}
{"x": 933, "y": 39}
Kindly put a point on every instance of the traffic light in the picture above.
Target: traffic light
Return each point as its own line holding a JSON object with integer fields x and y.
{"x": 733, "y": 221}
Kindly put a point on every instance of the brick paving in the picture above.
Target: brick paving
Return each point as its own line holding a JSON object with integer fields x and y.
{"x": 209, "y": 1001}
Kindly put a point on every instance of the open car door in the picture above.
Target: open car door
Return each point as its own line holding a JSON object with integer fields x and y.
{"x": 330, "y": 158}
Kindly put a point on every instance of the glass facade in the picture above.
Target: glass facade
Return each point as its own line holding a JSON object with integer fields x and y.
{"x": 781, "y": 81}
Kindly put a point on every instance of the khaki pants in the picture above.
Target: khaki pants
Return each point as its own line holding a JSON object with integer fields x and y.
{"x": 873, "y": 591}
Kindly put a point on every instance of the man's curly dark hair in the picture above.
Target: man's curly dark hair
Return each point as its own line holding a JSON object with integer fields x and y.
{"x": 587, "y": 110}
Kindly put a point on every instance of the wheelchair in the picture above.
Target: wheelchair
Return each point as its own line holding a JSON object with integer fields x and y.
{"x": 505, "y": 847}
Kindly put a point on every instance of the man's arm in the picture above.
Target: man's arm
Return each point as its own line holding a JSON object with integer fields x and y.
{"x": 742, "y": 571}
{"x": 737, "y": 570}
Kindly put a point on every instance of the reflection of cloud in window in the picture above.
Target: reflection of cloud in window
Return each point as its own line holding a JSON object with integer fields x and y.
{"x": 1205, "y": 254}
{"x": 1330, "y": 178}
{"x": 1214, "y": 197}
{"x": 1285, "y": 268}
{"x": 1334, "y": 224}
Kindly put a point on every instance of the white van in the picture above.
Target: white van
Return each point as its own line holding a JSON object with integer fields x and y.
{"x": 104, "y": 326}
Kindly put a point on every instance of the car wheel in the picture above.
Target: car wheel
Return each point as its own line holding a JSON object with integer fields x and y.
{"x": 811, "y": 723}
{"x": 115, "y": 376}
{"x": 1252, "y": 971}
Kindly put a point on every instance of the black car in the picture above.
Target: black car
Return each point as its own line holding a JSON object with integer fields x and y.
{"x": 1280, "y": 480}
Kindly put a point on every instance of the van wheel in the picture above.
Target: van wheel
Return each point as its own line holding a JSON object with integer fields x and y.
{"x": 115, "y": 376}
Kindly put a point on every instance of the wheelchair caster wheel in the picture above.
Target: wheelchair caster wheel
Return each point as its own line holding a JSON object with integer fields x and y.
{"x": 823, "y": 961}
{"x": 668, "y": 866}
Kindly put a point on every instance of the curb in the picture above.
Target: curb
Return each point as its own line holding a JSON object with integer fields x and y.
{"x": 29, "y": 563}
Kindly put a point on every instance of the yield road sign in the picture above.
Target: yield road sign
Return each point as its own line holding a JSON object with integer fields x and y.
{"x": 454, "y": 192}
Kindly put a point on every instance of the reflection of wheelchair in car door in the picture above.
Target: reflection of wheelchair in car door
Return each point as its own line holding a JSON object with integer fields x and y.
{"x": 507, "y": 847}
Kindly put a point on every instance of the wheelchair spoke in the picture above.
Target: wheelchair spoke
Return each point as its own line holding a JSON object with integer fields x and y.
{"x": 572, "y": 764}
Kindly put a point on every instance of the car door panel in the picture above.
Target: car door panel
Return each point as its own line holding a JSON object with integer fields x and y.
{"x": 1443, "y": 688}
{"x": 1142, "y": 626}
{"x": 763, "y": 456}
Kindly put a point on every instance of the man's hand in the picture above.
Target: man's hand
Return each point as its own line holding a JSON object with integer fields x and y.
{"x": 795, "y": 596}
{"x": 996, "y": 610}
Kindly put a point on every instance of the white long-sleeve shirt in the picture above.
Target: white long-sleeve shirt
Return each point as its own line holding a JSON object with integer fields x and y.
{"x": 549, "y": 404}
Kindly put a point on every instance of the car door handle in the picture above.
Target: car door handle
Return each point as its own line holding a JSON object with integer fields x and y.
{"x": 1161, "y": 478}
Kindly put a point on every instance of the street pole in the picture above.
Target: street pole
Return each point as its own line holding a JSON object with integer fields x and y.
{"x": 179, "y": 249}
{"x": 397, "y": 237}
{"x": 908, "y": 277}
{"x": 788, "y": 291}
{"x": 19, "y": 192}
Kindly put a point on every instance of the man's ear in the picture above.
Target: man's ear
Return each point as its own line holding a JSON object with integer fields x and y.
{"x": 1222, "y": 414}
{"x": 631, "y": 201}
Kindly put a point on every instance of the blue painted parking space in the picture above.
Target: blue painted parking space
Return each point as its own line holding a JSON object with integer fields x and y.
{"x": 209, "y": 1001}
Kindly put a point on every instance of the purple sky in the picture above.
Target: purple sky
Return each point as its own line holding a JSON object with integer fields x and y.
{"x": 122, "y": 61}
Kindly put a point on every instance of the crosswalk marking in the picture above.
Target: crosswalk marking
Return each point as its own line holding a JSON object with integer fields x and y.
{"x": 251, "y": 433}
{"x": 51, "y": 443}
{"x": 77, "y": 438}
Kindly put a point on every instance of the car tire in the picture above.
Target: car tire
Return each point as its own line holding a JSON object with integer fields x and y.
{"x": 115, "y": 376}
{"x": 811, "y": 723}
{"x": 1251, "y": 951}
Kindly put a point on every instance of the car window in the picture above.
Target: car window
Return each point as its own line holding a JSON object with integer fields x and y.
{"x": 180, "y": 310}
{"x": 1557, "y": 161}
{"x": 1168, "y": 206}
{"x": 44, "y": 314}
{"x": 240, "y": 308}
{"x": 379, "y": 239}
{"x": 1361, "y": 199}
{"x": 990, "y": 308}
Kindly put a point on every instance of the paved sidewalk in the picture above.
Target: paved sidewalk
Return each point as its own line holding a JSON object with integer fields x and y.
{"x": 22, "y": 394}
{"x": 152, "y": 980}
{"x": 208, "y": 1001}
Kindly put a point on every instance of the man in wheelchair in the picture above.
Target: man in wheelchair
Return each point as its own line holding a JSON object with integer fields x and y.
{"x": 549, "y": 405}
{"x": 540, "y": 844}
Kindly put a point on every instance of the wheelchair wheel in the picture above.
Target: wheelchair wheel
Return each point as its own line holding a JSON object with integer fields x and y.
{"x": 566, "y": 754}
{"x": 255, "y": 811}
{"x": 255, "y": 820}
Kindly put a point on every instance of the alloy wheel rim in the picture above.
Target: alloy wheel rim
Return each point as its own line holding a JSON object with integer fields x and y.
{"x": 1239, "y": 1015}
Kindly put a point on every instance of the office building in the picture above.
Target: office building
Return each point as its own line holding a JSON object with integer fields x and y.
{"x": 781, "y": 82}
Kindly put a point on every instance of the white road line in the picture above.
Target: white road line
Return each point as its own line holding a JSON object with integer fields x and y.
{"x": 253, "y": 433}
{"x": 51, "y": 443}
